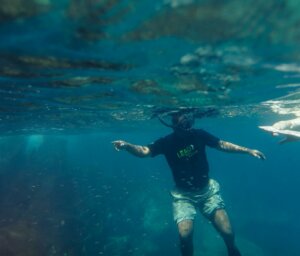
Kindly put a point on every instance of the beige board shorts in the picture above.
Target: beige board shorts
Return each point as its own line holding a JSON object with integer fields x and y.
{"x": 207, "y": 200}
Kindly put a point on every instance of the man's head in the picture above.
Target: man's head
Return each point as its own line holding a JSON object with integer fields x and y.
{"x": 183, "y": 121}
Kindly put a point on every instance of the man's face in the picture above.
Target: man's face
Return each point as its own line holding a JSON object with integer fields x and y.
{"x": 183, "y": 121}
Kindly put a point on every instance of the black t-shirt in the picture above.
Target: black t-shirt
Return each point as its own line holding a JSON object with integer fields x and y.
{"x": 186, "y": 157}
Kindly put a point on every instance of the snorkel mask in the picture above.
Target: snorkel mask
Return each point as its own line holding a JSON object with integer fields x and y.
{"x": 179, "y": 121}
{"x": 183, "y": 119}
{"x": 183, "y": 122}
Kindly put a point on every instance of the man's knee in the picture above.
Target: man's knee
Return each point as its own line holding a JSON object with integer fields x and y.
{"x": 222, "y": 223}
{"x": 185, "y": 229}
{"x": 226, "y": 228}
{"x": 227, "y": 232}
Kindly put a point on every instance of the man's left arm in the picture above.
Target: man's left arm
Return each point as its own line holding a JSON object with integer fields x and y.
{"x": 230, "y": 147}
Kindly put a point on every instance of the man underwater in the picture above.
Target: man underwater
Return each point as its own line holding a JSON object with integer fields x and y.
{"x": 184, "y": 150}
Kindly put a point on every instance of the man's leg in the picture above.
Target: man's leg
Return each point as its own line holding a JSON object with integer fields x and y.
{"x": 185, "y": 229}
{"x": 222, "y": 224}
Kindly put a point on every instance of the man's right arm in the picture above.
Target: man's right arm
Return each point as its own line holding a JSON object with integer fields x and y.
{"x": 230, "y": 147}
{"x": 136, "y": 150}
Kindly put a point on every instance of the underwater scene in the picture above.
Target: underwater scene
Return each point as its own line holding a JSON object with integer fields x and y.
{"x": 76, "y": 75}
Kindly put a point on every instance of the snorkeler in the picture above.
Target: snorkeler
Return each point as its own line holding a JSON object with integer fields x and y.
{"x": 184, "y": 150}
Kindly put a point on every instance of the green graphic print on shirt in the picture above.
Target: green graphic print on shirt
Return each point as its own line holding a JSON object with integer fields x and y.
{"x": 187, "y": 152}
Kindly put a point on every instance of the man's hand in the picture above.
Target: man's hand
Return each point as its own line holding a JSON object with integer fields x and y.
{"x": 256, "y": 153}
{"x": 119, "y": 144}
{"x": 136, "y": 150}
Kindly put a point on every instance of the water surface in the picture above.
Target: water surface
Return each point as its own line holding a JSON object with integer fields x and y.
{"x": 75, "y": 75}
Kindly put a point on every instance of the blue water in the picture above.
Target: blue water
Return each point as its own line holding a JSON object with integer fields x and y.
{"x": 76, "y": 75}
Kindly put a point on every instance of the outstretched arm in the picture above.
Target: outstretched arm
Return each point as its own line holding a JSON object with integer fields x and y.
{"x": 230, "y": 147}
{"x": 136, "y": 150}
